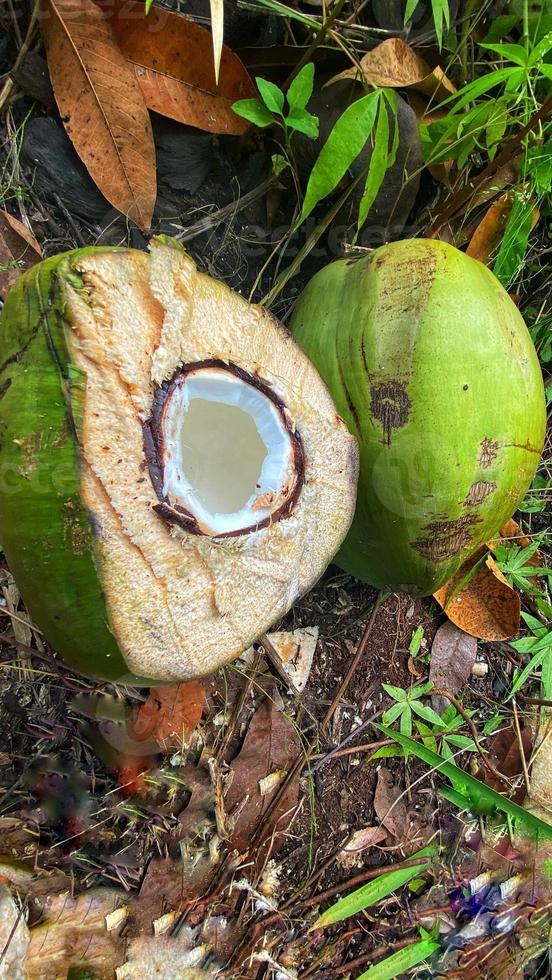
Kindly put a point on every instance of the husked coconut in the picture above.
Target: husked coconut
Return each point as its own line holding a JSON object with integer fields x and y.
{"x": 216, "y": 477}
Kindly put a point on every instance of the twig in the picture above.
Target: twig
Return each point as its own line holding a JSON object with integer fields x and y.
{"x": 440, "y": 692}
{"x": 21, "y": 55}
{"x": 521, "y": 749}
{"x": 318, "y": 40}
{"x": 360, "y": 728}
{"x": 212, "y": 220}
{"x": 486, "y": 175}
{"x": 355, "y": 661}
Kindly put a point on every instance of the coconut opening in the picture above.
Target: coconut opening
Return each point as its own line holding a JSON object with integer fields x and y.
{"x": 228, "y": 457}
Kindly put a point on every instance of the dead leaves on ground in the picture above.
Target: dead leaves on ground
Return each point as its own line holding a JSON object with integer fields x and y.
{"x": 394, "y": 64}
{"x": 479, "y": 600}
{"x": 270, "y": 748}
{"x": 172, "y": 59}
{"x": 169, "y": 715}
{"x": 453, "y": 654}
{"x": 109, "y": 65}
{"x": 101, "y": 105}
{"x": 486, "y": 239}
{"x": 19, "y": 250}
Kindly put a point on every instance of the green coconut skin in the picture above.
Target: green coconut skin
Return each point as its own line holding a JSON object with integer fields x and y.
{"x": 39, "y": 474}
{"x": 433, "y": 369}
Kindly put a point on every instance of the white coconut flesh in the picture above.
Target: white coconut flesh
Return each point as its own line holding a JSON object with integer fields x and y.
{"x": 181, "y": 600}
{"x": 228, "y": 457}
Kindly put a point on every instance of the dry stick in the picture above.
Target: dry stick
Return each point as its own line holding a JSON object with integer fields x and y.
{"x": 355, "y": 661}
{"x": 521, "y": 748}
{"x": 486, "y": 175}
{"x": 212, "y": 220}
{"x": 473, "y": 731}
{"x": 9, "y": 84}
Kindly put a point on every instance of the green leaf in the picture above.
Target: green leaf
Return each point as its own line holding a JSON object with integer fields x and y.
{"x": 461, "y": 742}
{"x": 379, "y": 162}
{"x": 401, "y": 961}
{"x": 540, "y": 50}
{"x": 499, "y": 27}
{"x": 420, "y": 689}
{"x": 396, "y": 692}
{"x": 368, "y": 895}
{"x": 406, "y": 721}
{"x": 416, "y": 642}
{"x": 148, "y": 5}
{"x": 343, "y": 145}
{"x": 479, "y": 86}
{"x": 410, "y": 8}
{"x": 514, "y": 242}
{"x": 393, "y": 712}
{"x": 279, "y": 164}
{"x": 510, "y": 52}
{"x": 300, "y": 90}
{"x": 477, "y": 793}
{"x": 272, "y": 96}
{"x": 388, "y": 752}
{"x": 303, "y": 121}
{"x": 254, "y": 111}
{"x": 425, "y": 712}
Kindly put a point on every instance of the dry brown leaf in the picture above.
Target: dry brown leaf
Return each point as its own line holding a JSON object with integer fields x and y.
{"x": 486, "y": 607}
{"x": 352, "y": 852}
{"x": 453, "y": 654}
{"x": 19, "y": 250}
{"x": 270, "y": 744}
{"x": 488, "y": 235}
{"x": 172, "y": 59}
{"x": 75, "y": 932}
{"x": 101, "y": 105}
{"x": 505, "y": 754}
{"x": 170, "y": 714}
{"x": 394, "y": 64}
{"x": 390, "y": 806}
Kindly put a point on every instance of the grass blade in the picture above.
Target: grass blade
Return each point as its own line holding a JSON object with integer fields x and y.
{"x": 479, "y": 796}
{"x": 368, "y": 894}
{"x": 404, "y": 959}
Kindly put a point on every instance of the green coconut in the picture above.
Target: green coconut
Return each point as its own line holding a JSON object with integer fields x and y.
{"x": 432, "y": 367}
{"x": 173, "y": 472}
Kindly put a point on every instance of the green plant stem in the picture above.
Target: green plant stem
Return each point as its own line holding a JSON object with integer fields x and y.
{"x": 440, "y": 692}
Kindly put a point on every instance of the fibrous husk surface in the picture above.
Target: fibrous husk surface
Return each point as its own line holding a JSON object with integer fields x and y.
{"x": 127, "y": 588}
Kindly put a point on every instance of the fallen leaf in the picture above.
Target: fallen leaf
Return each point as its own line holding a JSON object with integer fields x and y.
{"x": 19, "y": 250}
{"x": 166, "y": 956}
{"x": 486, "y": 239}
{"x": 394, "y": 64}
{"x": 172, "y": 59}
{"x": 170, "y": 714}
{"x": 292, "y": 653}
{"x": 486, "y": 606}
{"x": 270, "y": 744}
{"x": 101, "y": 105}
{"x": 74, "y": 931}
{"x": 352, "y": 852}
{"x": 505, "y": 754}
{"x": 453, "y": 654}
{"x": 390, "y": 806}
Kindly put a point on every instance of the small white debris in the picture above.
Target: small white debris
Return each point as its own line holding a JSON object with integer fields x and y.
{"x": 292, "y": 655}
{"x": 270, "y": 782}
{"x": 269, "y": 884}
{"x": 480, "y": 669}
{"x": 116, "y": 918}
{"x": 164, "y": 923}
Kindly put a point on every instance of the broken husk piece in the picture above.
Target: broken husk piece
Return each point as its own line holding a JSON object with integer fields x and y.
{"x": 174, "y": 473}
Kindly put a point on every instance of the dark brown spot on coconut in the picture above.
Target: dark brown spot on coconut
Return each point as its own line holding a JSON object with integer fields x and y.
{"x": 390, "y": 406}
{"x": 446, "y": 538}
{"x": 478, "y": 492}
{"x": 487, "y": 452}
